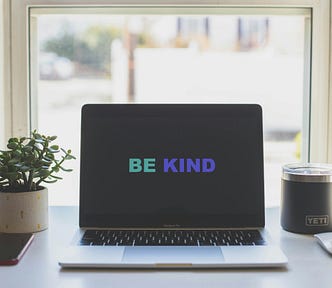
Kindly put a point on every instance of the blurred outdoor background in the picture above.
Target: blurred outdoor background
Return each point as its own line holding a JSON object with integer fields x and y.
{"x": 171, "y": 59}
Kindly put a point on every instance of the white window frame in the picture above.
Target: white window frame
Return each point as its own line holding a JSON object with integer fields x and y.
{"x": 17, "y": 90}
{"x": 4, "y": 70}
{"x": 2, "y": 38}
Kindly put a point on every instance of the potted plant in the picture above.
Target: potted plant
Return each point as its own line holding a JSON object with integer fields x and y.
{"x": 24, "y": 167}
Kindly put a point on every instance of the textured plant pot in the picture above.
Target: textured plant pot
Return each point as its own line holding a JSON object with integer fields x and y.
{"x": 24, "y": 212}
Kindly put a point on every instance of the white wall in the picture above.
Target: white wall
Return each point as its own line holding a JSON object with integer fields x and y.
{"x": 5, "y": 86}
{"x": 2, "y": 106}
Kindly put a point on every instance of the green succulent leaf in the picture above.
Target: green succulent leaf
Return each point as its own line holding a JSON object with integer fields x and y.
{"x": 13, "y": 140}
{"x": 25, "y": 169}
{"x": 38, "y": 146}
{"x": 27, "y": 149}
{"x": 52, "y": 150}
{"x": 50, "y": 156}
{"x": 65, "y": 169}
{"x": 13, "y": 161}
{"x": 41, "y": 141}
{"x": 69, "y": 157}
{"x": 17, "y": 153}
{"x": 47, "y": 159}
{"x": 42, "y": 173}
{"x": 12, "y": 176}
{"x": 46, "y": 162}
{"x": 50, "y": 181}
{"x": 55, "y": 177}
{"x": 12, "y": 145}
{"x": 37, "y": 136}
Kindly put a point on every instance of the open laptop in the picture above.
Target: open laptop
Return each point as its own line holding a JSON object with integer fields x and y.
{"x": 172, "y": 186}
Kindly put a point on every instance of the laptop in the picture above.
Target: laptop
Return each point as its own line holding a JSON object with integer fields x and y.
{"x": 172, "y": 186}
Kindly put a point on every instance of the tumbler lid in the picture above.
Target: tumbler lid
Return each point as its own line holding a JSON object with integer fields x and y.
{"x": 307, "y": 172}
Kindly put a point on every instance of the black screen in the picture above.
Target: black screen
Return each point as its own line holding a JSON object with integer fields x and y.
{"x": 171, "y": 165}
{"x": 11, "y": 247}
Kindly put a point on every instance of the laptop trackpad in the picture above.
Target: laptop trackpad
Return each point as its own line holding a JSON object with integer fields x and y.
{"x": 172, "y": 254}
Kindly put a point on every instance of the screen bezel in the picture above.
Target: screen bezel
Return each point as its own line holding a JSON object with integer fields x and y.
{"x": 94, "y": 111}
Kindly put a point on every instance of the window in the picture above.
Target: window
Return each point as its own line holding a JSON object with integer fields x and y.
{"x": 81, "y": 55}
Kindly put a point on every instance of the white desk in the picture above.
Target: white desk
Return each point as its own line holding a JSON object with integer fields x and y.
{"x": 309, "y": 265}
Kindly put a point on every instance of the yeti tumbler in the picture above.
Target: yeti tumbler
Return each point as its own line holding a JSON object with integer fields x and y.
{"x": 306, "y": 198}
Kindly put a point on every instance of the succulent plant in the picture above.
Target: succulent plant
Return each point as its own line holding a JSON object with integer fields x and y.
{"x": 31, "y": 161}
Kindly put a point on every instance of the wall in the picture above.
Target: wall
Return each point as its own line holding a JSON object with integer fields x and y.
{"x": 5, "y": 100}
{"x": 2, "y": 108}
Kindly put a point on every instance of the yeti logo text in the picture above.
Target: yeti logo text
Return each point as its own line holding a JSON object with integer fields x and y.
{"x": 173, "y": 165}
{"x": 317, "y": 220}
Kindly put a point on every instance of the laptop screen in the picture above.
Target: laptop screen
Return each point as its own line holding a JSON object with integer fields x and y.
{"x": 180, "y": 165}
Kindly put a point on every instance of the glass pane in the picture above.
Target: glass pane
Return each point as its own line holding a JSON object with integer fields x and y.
{"x": 171, "y": 59}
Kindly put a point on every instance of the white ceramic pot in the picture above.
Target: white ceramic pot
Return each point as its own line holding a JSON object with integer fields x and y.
{"x": 23, "y": 212}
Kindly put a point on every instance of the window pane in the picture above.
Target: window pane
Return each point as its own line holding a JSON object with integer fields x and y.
{"x": 171, "y": 59}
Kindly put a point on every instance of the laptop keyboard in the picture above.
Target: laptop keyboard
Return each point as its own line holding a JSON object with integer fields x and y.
{"x": 171, "y": 238}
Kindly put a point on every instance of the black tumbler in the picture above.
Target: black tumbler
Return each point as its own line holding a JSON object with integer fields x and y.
{"x": 306, "y": 198}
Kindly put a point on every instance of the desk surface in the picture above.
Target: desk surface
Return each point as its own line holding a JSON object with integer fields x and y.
{"x": 309, "y": 265}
